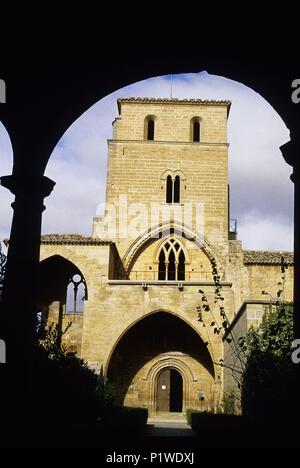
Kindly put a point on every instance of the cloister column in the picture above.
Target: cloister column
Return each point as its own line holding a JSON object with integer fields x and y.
{"x": 291, "y": 154}
{"x": 18, "y": 304}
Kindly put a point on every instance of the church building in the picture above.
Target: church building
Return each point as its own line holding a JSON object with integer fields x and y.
{"x": 146, "y": 294}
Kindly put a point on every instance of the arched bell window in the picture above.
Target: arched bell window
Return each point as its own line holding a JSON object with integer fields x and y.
{"x": 173, "y": 189}
{"x": 195, "y": 129}
{"x": 171, "y": 261}
{"x": 149, "y": 128}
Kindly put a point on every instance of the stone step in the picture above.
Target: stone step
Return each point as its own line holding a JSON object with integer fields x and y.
{"x": 166, "y": 416}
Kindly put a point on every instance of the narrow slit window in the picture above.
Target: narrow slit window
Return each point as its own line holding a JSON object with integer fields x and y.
{"x": 162, "y": 266}
{"x": 181, "y": 267}
{"x": 171, "y": 266}
{"x": 177, "y": 189}
{"x": 196, "y": 130}
{"x": 150, "y": 130}
{"x": 169, "y": 195}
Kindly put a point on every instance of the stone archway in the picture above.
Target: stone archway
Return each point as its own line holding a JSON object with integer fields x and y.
{"x": 35, "y": 130}
{"x": 165, "y": 229}
{"x": 155, "y": 343}
{"x": 61, "y": 296}
{"x": 175, "y": 363}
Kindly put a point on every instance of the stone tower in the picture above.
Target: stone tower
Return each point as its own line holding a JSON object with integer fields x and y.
{"x": 167, "y": 148}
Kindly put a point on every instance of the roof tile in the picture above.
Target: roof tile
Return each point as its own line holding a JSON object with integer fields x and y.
{"x": 267, "y": 257}
{"x": 78, "y": 239}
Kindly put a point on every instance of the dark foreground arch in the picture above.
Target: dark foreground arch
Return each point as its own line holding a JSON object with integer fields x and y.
{"x": 56, "y": 100}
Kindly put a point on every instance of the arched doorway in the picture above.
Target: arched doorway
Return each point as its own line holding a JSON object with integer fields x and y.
{"x": 169, "y": 391}
{"x": 160, "y": 349}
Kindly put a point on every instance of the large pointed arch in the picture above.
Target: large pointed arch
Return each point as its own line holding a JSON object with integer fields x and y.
{"x": 165, "y": 229}
{"x": 149, "y": 314}
{"x": 157, "y": 341}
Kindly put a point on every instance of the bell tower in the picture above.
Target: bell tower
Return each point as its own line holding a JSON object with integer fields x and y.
{"x": 167, "y": 159}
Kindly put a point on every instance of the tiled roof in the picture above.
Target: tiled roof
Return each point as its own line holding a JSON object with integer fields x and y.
{"x": 173, "y": 100}
{"x": 267, "y": 257}
{"x": 72, "y": 239}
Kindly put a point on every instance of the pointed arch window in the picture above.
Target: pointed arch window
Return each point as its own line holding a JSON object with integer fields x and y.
{"x": 171, "y": 261}
{"x": 76, "y": 295}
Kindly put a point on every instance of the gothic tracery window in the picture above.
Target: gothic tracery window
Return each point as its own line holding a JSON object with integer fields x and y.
{"x": 76, "y": 295}
{"x": 171, "y": 261}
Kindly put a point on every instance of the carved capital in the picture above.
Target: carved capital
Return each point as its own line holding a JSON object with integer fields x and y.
{"x": 37, "y": 187}
{"x": 291, "y": 154}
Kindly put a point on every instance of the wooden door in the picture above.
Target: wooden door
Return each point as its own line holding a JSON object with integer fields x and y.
{"x": 163, "y": 391}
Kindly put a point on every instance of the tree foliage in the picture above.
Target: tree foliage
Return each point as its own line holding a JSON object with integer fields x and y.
{"x": 65, "y": 387}
{"x": 262, "y": 366}
{"x": 268, "y": 387}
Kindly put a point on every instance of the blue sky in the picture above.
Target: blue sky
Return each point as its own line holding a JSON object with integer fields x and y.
{"x": 261, "y": 191}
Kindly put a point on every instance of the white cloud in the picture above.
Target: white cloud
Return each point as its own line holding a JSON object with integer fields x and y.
{"x": 6, "y": 197}
{"x": 258, "y": 175}
{"x": 265, "y": 233}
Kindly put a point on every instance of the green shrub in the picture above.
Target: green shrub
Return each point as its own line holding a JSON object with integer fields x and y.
{"x": 228, "y": 405}
{"x": 189, "y": 412}
{"x": 65, "y": 389}
{"x": 269, "y": 381}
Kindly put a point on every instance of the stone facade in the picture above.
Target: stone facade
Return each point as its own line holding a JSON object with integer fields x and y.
{"x": 166, "y": 221}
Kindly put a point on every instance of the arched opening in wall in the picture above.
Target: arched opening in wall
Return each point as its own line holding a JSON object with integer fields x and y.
{"x": 6, "y": 197}
{"x": 251, "y": 119}
{"x": 177, "y": 189}
{"x": 169, "y": 391}
{"x": 254, "y": 192}
{"x": 171, "y": 266}
{"x": 162, "y": 266}
{"x": 160, "y": 335}
{"x": 172, "y": 189}
{"x": 195, "y": 129}
{"x": 149, "y": 245}
{"x": 169, "y": 190}
{"x": 150, "y": 129}
{"x": 181, "y": 266}
{"x": 62, "y": 293}
{"x": 76, "y": 294}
